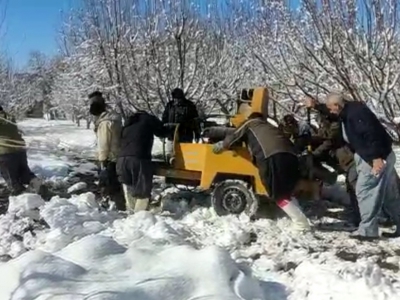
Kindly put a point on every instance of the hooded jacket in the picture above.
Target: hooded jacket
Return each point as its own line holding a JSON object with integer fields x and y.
{"x": 137, "y": 136}
{"x": 109, "y": 125}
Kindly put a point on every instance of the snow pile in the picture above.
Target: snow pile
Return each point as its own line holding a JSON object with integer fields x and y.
{"x": 319, "y": 282}
{"x": 96, "y": 267}
{"x": 151, "y": 261}
{"x": 88, "y": 253}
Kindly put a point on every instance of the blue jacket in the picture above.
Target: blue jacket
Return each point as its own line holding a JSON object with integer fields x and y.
{"x": 366, "y": 134}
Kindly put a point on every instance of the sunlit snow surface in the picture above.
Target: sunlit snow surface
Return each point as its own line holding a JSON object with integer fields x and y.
{"x": 91, "y": 254}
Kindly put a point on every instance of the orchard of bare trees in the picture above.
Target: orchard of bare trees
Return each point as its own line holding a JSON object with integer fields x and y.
{"x": 136, "y": 51}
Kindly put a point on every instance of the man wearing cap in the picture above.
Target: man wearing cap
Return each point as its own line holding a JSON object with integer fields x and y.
{"x": 108, "y": 126}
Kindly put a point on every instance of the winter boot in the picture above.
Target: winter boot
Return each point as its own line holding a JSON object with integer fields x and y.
{"x": 37, "y": 186}
{"x": 17, "y": 189}
{"x": 294, "y": 212}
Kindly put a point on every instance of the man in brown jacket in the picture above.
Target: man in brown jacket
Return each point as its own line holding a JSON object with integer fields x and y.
{"x": 334, "y": 152}
{"x": 277, "y": 162}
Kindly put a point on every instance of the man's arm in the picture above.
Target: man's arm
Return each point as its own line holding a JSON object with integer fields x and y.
{"x": 165, "y": 115}
{"x": 159, "y": 129}
{"x": 237, "y": 136}
{"x": 103, "y": 140}
{"x": 194, "y": 116}
{"x": 334, "y": 133}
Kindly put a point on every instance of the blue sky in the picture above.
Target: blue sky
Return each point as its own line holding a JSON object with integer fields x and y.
{"x": 32, "y": 25}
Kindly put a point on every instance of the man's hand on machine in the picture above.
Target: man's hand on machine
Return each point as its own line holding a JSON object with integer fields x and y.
{"x": 218, "y": 147}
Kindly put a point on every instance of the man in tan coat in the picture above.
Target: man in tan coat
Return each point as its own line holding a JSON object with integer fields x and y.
{"x": 108, "y": 127}
{"x": 13, "y": 159}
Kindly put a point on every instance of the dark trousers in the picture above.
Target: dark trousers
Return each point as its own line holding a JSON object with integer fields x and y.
{"x": 110, "y": 186}
{"x": 280, "y": 174}
{"x": 137, "y": 174}
{"x": 351, "y": 181}
{"x": 15, "y": 171}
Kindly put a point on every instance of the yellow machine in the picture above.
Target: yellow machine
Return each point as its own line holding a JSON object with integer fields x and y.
{"x": 231, "y": 176}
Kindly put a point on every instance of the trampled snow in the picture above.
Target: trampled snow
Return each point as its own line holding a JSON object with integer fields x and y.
{"x": 88, "y": 253}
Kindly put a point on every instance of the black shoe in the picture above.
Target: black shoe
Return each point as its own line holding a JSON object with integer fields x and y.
{"x": 389, "y": 235}
{"x": 363, "y": 238}
{"x": 17, "y": 190}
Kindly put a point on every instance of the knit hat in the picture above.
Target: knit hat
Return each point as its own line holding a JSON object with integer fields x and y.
{"x": 178, "y": 94}
{"x": 97, "y": 103}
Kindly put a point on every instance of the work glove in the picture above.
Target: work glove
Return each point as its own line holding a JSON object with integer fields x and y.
{"x": 218, "y": 147}
{"x": 197, "y": 137}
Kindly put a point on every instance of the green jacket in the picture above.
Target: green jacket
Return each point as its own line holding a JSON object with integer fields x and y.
{"x": 10, "y": 138}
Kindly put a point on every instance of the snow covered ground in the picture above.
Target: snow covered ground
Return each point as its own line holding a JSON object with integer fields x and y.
{"x": 87, "y": 253}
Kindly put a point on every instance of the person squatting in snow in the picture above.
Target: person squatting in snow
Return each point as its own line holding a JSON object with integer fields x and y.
{"x": 376, "y": 184}
{"x": 301, "y": 134}
{"x": 276, "y": 159}
{"x": 134, "y": 164}
{"x": 108, "y": 126}
{"x": 13, "y": 159}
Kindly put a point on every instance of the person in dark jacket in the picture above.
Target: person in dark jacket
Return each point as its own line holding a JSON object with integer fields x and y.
{"x": 13, "y": 159}
{"x": 374, "y": 159}
{"x": 134, "y": 166}
{"x": 277, "y": 162}
{"x": 183, "y": 112}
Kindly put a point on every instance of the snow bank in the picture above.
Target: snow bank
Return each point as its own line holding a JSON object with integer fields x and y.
{"x": 87, "y": 253}
{"x": 319, "y": 282}
{"x": 96, "y": 267}
{"x": 151, "y": 261}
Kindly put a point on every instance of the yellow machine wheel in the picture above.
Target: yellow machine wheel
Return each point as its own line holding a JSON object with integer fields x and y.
{"x": 234, "y": 197}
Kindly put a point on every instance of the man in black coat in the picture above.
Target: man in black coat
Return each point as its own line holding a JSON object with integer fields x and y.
{"x": 134, "y": 166}
{"x": 374, "y": 158}
{"x": 183, "y": 112}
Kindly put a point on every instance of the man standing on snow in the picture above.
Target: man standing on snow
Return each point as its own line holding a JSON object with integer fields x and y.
{"x": 134, "y": 165}
{"x": 374, "y": 159}
{"x": 108, "y": 130}
{"x": 276, "y": 159}
{"x": 183, "y": 112}
{"x": 13, "y": 159}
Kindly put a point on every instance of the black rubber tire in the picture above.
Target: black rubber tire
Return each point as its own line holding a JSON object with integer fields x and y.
{"x": 247, "y": 202}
